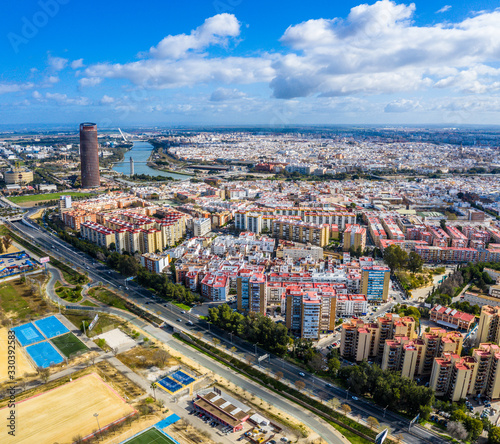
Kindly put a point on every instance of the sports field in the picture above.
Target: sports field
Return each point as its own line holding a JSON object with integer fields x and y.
{"x": 22, "y": 363}
{"x": 44, "y": 197}
{"x": 68, "y": 344}
{"x": 65, "y": 412}
{"x": 150, "y": 436}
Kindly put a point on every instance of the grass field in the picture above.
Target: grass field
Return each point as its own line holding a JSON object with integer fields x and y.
{"x": 69, "y": 344}
{"x": 150, "y": 436}
{"x": 66, "y": 412}
{"x": 107, "y": 297}
{"x": 18, "y": 302}
{"x": 182, "y": 306}
{"x": 88, "y": 304}
{"x": 44, "y": 197}
{"x": 22, "y": 363}
{"x": 105, "y": 322}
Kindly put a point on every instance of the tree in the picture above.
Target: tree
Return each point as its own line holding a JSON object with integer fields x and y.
{"x": 279, "y": 376}
{"x": 317, "y": 362}
{"x": 345, "y": 408}
{"x": 442, "y": 224}
{"x": 153, "y": 387}
{"x": 161, "y": 357}
{"x": 415, "y": 262}
{"x": 373, "y": 422}
{"x": 494, "y": 435}
{"x": 333, "y": 366}
{"x": 395, "y": 257}
{"x": 44, "y": 374}
{"x": 300, "y": 385}
{"x": 334, "y": 403}
{"x": 474, "y": 426}
{"x": 457, "y": 430}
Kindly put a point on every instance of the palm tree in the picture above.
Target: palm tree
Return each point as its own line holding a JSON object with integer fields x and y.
{"x": 153, "y": 387}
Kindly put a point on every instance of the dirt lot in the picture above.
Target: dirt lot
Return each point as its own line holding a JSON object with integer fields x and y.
{"x": 140, "y": 358}
{"x": 124, "y": 386}
{"x": 61, "y": 414}
{"x": 22, "y": 364}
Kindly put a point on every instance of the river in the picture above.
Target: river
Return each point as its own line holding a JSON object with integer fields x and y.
{"x": 140, "y": 152}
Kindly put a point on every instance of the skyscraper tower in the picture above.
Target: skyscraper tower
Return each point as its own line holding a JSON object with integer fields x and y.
{"x": 89, "y": 155}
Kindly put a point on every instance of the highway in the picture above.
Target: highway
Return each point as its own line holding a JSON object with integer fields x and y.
{"x": 175, "y": 317}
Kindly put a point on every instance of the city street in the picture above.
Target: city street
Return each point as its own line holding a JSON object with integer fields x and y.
{"x": 170, "y": 313}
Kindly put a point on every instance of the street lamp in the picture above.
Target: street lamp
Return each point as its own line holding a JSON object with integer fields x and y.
{"x": 385, "y": 409}
{"x": 347, "y": 393}
{"x": 98, "y": 426}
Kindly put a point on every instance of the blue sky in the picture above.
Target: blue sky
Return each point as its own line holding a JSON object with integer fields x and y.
{"x": 250, "y": 62}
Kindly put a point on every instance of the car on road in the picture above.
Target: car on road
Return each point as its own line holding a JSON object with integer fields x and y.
{"x": 189, "y": 322}
{"x": 355, "y": 398}
{"x": 178, "y": 320}
{"x": 301, "y": 374}
{"x": 329, "y": 385}
{"x": 183, "y": 312}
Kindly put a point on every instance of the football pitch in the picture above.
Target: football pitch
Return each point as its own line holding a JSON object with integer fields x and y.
{"x": 150, "y": 436}
{"x": 69, "y": 344}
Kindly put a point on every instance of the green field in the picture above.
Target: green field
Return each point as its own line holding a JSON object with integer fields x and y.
{"x": 150, "y": 436}
{"x": 69, "y": 344}
{"x": 44, "y": 197}
{"x": 11, "y": 299}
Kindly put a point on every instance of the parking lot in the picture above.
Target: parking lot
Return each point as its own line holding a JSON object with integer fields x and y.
{"x": 249, "y": 433}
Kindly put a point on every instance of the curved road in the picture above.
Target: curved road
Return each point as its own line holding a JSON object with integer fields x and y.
{"x": 171, "y": 314}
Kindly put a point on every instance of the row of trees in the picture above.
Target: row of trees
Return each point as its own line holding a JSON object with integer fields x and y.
{"x": 388, "y": 388}
{"x": 253, "y": 327}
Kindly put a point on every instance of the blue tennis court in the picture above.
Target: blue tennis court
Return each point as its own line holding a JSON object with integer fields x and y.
{"x": 44, "y": 354}
{"x": 27, "y": 334}
{"x": 182, "y": 377}
{"x": 169, "y": 385}
{"x": 51, "y": 327}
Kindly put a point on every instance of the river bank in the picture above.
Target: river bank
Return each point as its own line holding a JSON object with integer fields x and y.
{"x": 141, "y": 153}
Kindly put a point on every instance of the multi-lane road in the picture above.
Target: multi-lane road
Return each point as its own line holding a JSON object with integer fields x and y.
{"x": 174, "y": 316}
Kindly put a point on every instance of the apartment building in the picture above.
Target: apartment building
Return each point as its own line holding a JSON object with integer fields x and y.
{"x": 64, "y": 205}
{"x": 301, "y": 232}
{"x": 453, "y": 377}
{"x": 366, "y": 341}
{"x": 251, "y": 288}
{"x": 437, "y": 342}
{"x": 376, "y": 230}
{"x": 201, "y": 226}
{"x": 404, "y": 356}
{"x": 316, "y": 253}
{"x": 489, "y": 325}
{"x": 354, "y": 237}
{"x": 215, "y": 287}
{"x": 156, "y": 263}
{"x": 375, "y": 281}
{"x": 310, "y": 311}
{"x": 97, "y": 234}
{"x": 74, "y": 219}
{"x": 349, "y": 305}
